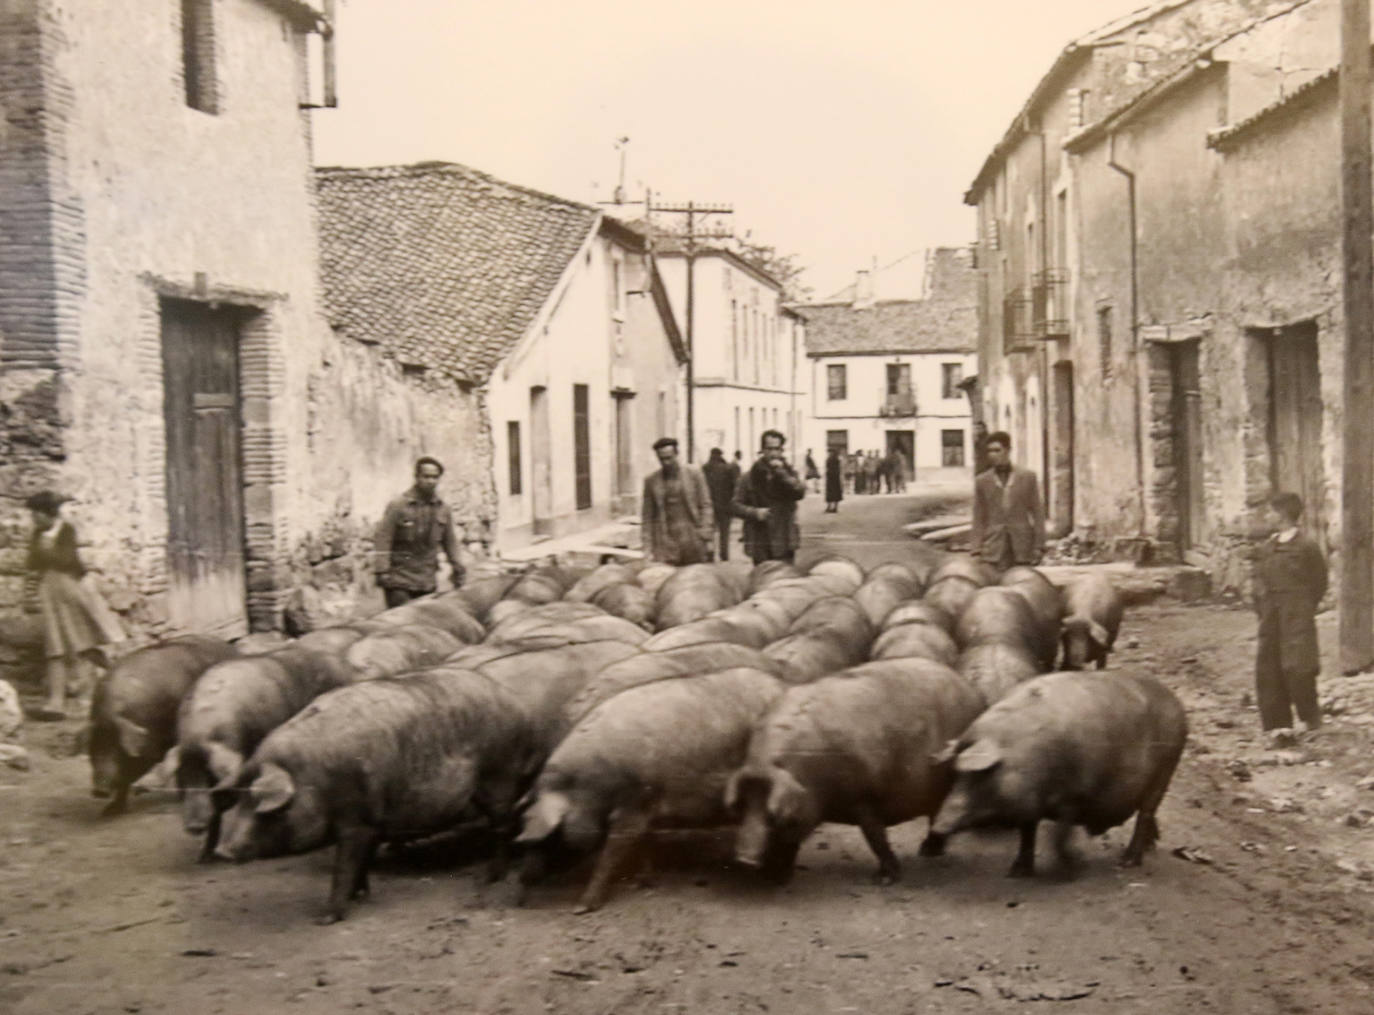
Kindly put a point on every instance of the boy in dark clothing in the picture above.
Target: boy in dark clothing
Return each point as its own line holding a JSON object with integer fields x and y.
{"x": 1290, "y": 579}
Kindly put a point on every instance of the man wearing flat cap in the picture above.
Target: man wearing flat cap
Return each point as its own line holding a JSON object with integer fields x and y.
{"x": 676, "y": 517}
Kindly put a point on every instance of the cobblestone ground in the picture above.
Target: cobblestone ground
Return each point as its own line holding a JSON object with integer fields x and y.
{"x": 1260, "y": 898}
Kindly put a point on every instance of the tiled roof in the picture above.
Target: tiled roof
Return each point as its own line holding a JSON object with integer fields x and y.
{"x": 442, "y": 265}
{"x": 1296, "y": 99}
{"x": 946, "y": 321}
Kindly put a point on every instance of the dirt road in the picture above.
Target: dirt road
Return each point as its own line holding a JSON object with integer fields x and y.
{"x": 1260, "y": 898}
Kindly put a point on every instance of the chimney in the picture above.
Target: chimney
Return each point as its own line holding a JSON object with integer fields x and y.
{"x": 863, "y": 290}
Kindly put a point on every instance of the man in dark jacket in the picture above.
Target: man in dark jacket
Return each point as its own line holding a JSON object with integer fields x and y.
{"x": 720, "y": 480}
{"x": 416, "y": 526}
{"x": 766, "y": 498}
{"x": 1008, "y": 515}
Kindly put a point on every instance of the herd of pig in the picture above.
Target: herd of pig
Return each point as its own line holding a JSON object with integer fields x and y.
{"x": 770, "y": 700}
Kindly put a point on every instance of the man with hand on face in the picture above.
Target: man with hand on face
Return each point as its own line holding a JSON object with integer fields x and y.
{"x": 1008, "y": 515}
{"x": 766, "y": 498}
{"x": 416, "y": 525}
{"x": 676, "y": 516}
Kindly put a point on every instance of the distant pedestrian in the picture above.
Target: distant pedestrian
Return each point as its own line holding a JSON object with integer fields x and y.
{"x": 896, "y": 471}
{"x": 766, "y": 498}
{"x": 720, "y": 480}
{"x": 860, "y": 472}
{"x": 851, "y": 478}
{"x": 871, "y": 480}
{"x": 416, "y": 526}
{"x": 813, "y": 474}
{"x": 1290, "y": 579}
{"x": 676, "y": 513}
{"x": 77, "y": 622}
{"x": 1008, "y": 515}
{"x": 834, "y": 481}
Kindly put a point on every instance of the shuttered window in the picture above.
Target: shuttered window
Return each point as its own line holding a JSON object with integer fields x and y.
{"x": 513, "y": 451}
{"x": 582, "y": 446}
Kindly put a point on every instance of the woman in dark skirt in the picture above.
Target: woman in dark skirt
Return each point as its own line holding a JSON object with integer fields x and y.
{"x": 834, "y": 481}
{"x": 76, "y": 620}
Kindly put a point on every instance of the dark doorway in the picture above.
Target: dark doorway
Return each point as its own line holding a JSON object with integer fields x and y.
{"x": 1061, "y": 452}
{"x": 624, "y": 452}
{"x": 903, "y": 441}
{"x": 207, "y": 591}
{"x": 541, "y": 459}
{"x": 582, "y": 446}
{"x": 1295, "y": 422}
{"x": 1186, "y": 413}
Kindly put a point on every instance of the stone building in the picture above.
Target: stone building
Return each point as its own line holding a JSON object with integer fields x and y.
{"x": 1160, "y": 289}
{"x": 886, "y": 375}
{"x": 163, "y": 354}
{"x": 550, "y": 317}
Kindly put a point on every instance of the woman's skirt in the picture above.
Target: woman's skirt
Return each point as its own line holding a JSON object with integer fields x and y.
{"x": 75, "y": 615}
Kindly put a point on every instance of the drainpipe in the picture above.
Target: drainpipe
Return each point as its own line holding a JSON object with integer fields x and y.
{"x": 1135, "y": 325}
{"x": 1044, "y": 365}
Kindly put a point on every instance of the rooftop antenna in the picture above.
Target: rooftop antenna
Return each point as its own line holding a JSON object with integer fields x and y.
{"x": 619, "y": 196}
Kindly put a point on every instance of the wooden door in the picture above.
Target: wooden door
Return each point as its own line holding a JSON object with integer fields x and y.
{"x": 205, "y": 533}
{"x": 903, "y": 442}
{"x": 1061, "y": 475}
{"x": 541, "y": 459}
{"x": 1187, "y": 441}
{"x": 624, "y": 452}
{"x": 1295, "y": 423}
{"x": 582, "y": 446}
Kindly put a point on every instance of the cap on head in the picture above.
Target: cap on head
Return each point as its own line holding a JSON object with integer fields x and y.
{"x": 664, "y": 442}
{"x": 46, "y": 501}
{"x": 428, "y": 460}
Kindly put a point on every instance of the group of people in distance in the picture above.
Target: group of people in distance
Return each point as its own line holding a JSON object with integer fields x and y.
{"x": 858, "y": 472}
{"x": 686, "y": 512}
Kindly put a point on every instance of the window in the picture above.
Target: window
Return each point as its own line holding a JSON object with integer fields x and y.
{"x": 837, "y": 439}
{"x": 582, "y": 447}
{"x": 617, "y": 288}
{"x": 1104, "y": 339}
{"x": 835, "y": 382}
{"x": 899, "y": 378}
{"x": 198, "y": 55}
{"x": 952, "y": 447}
{"x": 951, "y": 374}
{"x": 513, "y": 454}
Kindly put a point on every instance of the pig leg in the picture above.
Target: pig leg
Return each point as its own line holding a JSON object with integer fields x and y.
{"x": 875, "y": 834}
{"x": 780, "y": 861}
{"x": 934, "y": 842}
{"x": 120, "y": 803}
{"x": 1069, "y": 859}
{"x": 355, "y": 850}
{"x": 207, "y": 851}
{"x": 1024, "y": 864}
{"x": 627, "y": 831}
{"x": 1146, "y": 831}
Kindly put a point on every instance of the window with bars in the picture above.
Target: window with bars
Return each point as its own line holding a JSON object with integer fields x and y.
{"x": 198, "y": 55}
{"x": 513, "y": 454}
{"x": 835, "y": 382}
{"x": 951, "y": 447}
{"x": 582, "y": 446}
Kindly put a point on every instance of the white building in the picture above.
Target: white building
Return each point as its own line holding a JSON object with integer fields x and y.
{"x": 748, "y": 366}
{"x": 885, "y": 374}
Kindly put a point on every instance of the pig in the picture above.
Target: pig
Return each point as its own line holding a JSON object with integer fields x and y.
{"x": 1072, "y": 748}
{"x": 647, "y": 667}
{"x": 652, "y": 756}
{"x": 977, "y": 571}
{"x": 841, "y": 567}
{"x": 994, "y": 668}
{"x": 331, "y": 639}
{"x": 1045, "y": 600}
{"x": 879, "y": 596}
{"x": 134, "y": 711}
{"x": 382, "y": 760}
{"x": 447, "y": 615}
{"x": 1094, "y": 608}
{"x": 807, "y": 655}
{"x": 585, "y": 589}
{"x": 1002, "y": 615}
{"x": 533, "y": 616}
{"x": 399, "y": 649}
{"x": 841, "y": 614}
{"x": 901, "y": 574}
{"x": 693, "y": 592}
{"x": 923, "y": 641}
{"x": 628, "y": 601}
{"x": 918, "y": 611}
{"x": 951, "y": 594}
{"x": 853, "y": 748}
{"x": 769, "y": 571}
{"x": 229, "y": 711}
{"x": 478, "y": 595}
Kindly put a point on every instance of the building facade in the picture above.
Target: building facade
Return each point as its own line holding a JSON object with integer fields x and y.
{"x": 886, "y": 375}
{"x": 1195, "y": 365}
{"x": 747, "y": 352}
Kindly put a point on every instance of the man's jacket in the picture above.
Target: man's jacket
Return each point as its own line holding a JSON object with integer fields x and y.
{"x": 408, "y": 540}
{"x": 1012, "y": 516}
{"x": 653, "y": 512}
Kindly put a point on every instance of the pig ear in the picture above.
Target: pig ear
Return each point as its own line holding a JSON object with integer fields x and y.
{"x": 979, "y": 757}
{"x": 133, "y": 738}
{"x": 1098, "y": 632}
{"x": 171, "y": 761}
{"x": 946, "y": 755}
{"x": 272, "y": 790}
{"x": 223, "y": 796}
{"x": 544, "y": 817}
{"x": 224, "y": 764}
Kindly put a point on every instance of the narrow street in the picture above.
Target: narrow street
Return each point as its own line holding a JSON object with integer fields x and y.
{"x": 1259, "y": 899}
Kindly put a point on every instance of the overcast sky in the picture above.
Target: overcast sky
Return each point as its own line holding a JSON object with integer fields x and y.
{"x": 840, "y": 130}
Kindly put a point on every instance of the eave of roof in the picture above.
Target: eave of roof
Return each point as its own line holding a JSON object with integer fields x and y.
{"x": 309, "y": 15}
{"x": 1300, "y": 98}
{"x": 730, "y": 256}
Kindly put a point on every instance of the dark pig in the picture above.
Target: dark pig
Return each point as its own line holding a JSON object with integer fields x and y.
{"x": 652, "y": 756}
{"x": 1093, "y": 608}
{"x": 229, "y": 711}
{"x": 134, "y": 711}
{"x": 997, "y": 614}
{"x": 385, "y": 759}
{"x": 853, "y": 748}
{"x": 994, "y": 668}
{"x": 1072, "y": 748}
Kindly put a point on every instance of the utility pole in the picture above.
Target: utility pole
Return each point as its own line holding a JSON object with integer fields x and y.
{"x": 1357, "y": 476}
{"x": 693, "y": 209}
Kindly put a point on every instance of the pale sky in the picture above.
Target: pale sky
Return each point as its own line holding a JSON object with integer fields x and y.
{"x": 840, "y": 130}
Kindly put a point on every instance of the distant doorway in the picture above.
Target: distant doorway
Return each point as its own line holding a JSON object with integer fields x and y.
{"x": 1061, "y": 471}
{"x": 1295, "y": 422}
{"x": 904, "y": 443}
{"x": 1186, "y": 415}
